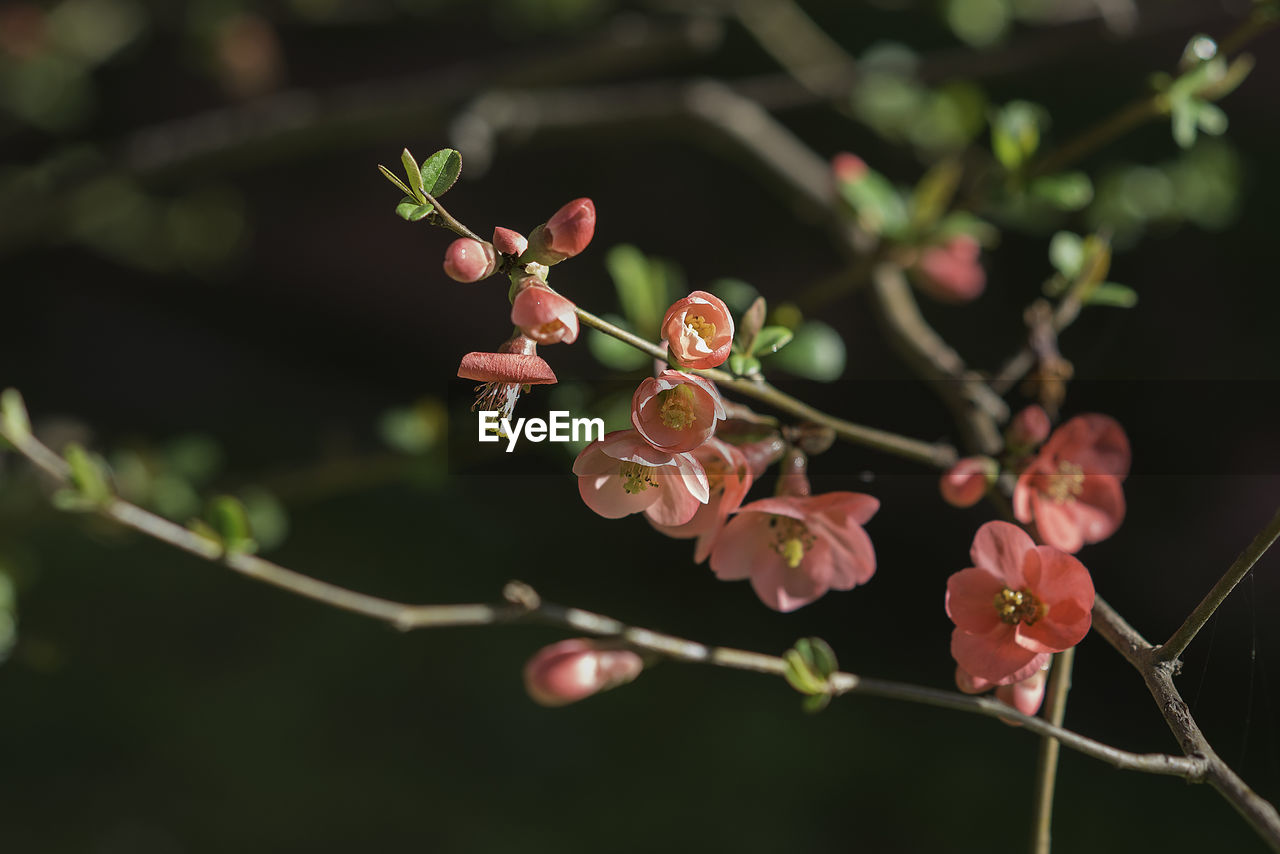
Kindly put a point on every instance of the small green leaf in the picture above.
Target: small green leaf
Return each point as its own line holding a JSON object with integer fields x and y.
{"x": 88, "y": 474}
{"x": 752, "y": 322}
{"x": 1015, "y": 133}
{"x": 13, "y": 414}
{"x": 1211, "y": 119}
{"x": 879, "y": 206}
{"x": 1184, "y": 113}
{"x": 231, "y": 522}
{"x": 817, "y": 352}
{"x": 394, "y": 179}
{"x": 1066, "y": 253}
{"x": 1113, "y": 294}
{"x": 413, "y": 173}
{"x": 737, "y": 294}
{"x": 934, "y": 192}
{"x": 615, "y": 354}
{"x": 411, "y": 210}
{"x": 771, "y": 339}
{"x": 799, "y": 675}
{"x": 815, "y": 703}
{"x": 743, "y": 365}
{"x": 440, "y": 171}
{"x": 1069, "y": 191}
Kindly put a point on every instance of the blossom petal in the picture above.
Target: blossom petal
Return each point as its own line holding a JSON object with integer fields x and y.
{"x": 1056, "y": 523}
{"x": 970, "y": 600}
{"x": 743, "y": 544}
{"x": 1099, "y": 508}
{"x": 993, "y": 656}
{"x": 999, "y": 547}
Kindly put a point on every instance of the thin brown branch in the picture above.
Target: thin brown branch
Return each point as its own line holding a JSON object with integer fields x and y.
{"x": 1195, "y": 621}
{"x": 1047, "y": 758}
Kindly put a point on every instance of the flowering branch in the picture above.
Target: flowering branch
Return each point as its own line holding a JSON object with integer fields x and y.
{"x": 522, "y": 604}
{"x": 1181, "y": 639}
{"x": 937, "y": 454}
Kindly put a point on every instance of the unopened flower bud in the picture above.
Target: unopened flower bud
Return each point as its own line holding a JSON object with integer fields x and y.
{"x": 564, "y": 235}
{"x": 847, "y": 167}
{"x": 1028, "y": 428}
{"x": 509, "y": 242}
{"x": 964, "y": 484}
{"x": 468, "y": 260}
{"x": 575, "y": 669}
{"x": 951, "y": 272}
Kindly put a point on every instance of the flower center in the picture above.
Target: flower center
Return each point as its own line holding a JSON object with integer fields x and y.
{"x": 636, "y": 478}
{"x": 1067, "y": 484}
{"x": 706, "y": 329}
{"x": 676, "y": 409}
{"x": 791, "y": 539}
{"x": 1017, "y": 606}
{"x": 550, "y": 328}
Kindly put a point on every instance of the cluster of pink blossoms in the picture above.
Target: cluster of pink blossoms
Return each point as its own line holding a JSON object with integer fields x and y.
{"x": 793, "y": 547}
{"x": 1018, "y": 604}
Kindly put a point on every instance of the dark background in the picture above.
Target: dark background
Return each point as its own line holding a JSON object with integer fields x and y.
{"x": 156, "y": 703}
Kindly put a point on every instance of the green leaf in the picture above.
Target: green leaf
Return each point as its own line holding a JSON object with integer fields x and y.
{"x": 737, "y": 294}
{"x": 88, "y": 474}
{"x": 817, "y": 352}
{"x": 749, "y": 328}
{"x": 799, "y": 675}
{"x": 1184, "y": 113}
{"x": 13, "y": 414}
{"x": 394, "y": 179}
{"x": 879, "y": 206}
{"x": 267, "y": 517}
{"x": 641, "y": 285}
{"x": 934, "y": 192}
{"x": 411, "y": 210}
{"x": 615, "y": 354}
{"x": 1015, "y": 133}
{"x": 1066, "y": 253}
{"x": 413, "y": 173}
{"x": 229, "y": 519}
{"x": 1211, "y": 119}
{"x": 771, "y": 339}
{"x": 1069, "y": 191}
{"x": 815, "y": 703}
{"x": 743, "y": 365}
{"x": 440, "y": 171}
{"x": 1113, "y": 294}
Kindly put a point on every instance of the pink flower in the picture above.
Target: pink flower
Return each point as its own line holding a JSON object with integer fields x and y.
{"x": 564, "y": 235}
{"x": 623, "y": 474}
{"x": 951, "y": 272}
{"x": 1018, "y": 602}
{"x": 676, "y": 412}
{"x": 468, "y": 260}
{"x": 542, "y": 314}
{"x": 1071, "y": 489}
{"x": 848, "y": 168}
{"x": 795, "y": 548}
{"x": 503, "y": 375}
{"x": 1028, "y": 428}
{"x": 699, "y": 330}
{"x": 728, "y": 479}
{"x": 1025, "y": 695}
{"x": 573, "y": 670}
{"x": 509, "y": 242}
{"x": 964, "y": 484}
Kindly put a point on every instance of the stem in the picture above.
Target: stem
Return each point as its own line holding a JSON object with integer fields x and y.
{"x": 1182, "y": 638}
{"x": 449, "y": 221}
{"x": 1047, "y": 761}
{"x": 938, "y": 454}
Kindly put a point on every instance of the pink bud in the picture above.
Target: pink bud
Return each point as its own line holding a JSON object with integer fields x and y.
{"x": 1025, "y": 696}
{"x": 951, "y": 272}
{"x": 509, "y": 242}
{"x": 1028, "y": 428}
{"x": 964, "y": 484}
{"x": 847, "y": 167}
{"x": 468, "y": 260}
{"x": 572, "y": 227}
{"x": 542, "y": 314}
{"x": 575, "y": 669}
{"x": 699, "y": 331}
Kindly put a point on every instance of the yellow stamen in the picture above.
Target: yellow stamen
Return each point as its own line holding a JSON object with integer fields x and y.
{"x": 1067, "y": 484}
{"x": 676, "y": 410}
{"x": 791, "y": 539}
{"x": 1017, "y": 606}
{"x": 636, "y": 478}
{"x": 706, "y": 329}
